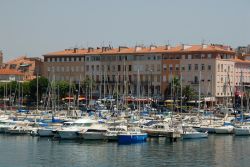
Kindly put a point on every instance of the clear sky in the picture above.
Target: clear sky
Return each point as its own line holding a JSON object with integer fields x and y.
{"x": 36, "y": 27}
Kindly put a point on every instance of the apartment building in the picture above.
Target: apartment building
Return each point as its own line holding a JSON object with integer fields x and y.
{"x": 113, "y": 69}
{"x": 149, "y": 70}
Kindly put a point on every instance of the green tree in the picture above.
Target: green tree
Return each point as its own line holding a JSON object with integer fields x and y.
{"x": 42, "y": 87}
{"x": 174, "y": 88}
{"x": 63, "y": 88}
{"x": 188, "y": 93}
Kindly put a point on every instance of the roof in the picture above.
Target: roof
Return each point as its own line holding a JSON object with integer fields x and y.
{"x": 237, "y": 60}
{"x": 9, "y": 72}
{"x": 142, "y": 50}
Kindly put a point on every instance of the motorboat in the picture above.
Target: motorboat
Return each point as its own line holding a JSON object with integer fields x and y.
{"x": 95, "y": 132}
{"x": 70, "y": 129}
{"x": 191, "y": 133}
{"x": 132, "y": 136}
{"x": 157, "y": 130}
{"x": 112, "y": 133}
{"x": 242, "y": 130}
{"x": 227, "y": 128}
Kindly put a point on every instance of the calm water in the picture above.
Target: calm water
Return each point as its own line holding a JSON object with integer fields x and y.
{"x": 27, "y": 151}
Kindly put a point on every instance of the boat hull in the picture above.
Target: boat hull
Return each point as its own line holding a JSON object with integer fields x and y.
{"x": 195, "y": 135}
{"x": 68, "y": 135}
{"x": 224, "y": 130}
{"x": 45, "y": 132}
{"x": 242, "y": 131}
{"x": 132, "y": 138}
{"x": 93, "y": 136}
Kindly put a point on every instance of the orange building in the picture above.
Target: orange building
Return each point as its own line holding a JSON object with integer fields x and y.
{"x": 28, "y": 66}
{"x": 7, "y": 75}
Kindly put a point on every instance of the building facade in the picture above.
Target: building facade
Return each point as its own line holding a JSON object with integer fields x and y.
{"x": 7, "y": 75}
{"x": 148, "y": 71}
{"x": 28, "y": 66}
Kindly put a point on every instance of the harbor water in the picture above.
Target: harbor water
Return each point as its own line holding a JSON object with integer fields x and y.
{"x": 216, "y": 150}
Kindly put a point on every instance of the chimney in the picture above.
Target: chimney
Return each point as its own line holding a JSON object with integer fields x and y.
{"x": 182, "y": 46}
{"x": 122, "y": 47}
{"x": 75, "y": 50}
{"x": 138, "y": 48}
{"x": 152, "y": 47}
{"x": 203, "y": 46}
{"x": 90, "y": 49}
{"x": 167, "y": 47}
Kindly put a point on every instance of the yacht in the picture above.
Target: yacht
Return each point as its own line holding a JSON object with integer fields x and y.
{"x": 157, "y": 130}
{"x": 227, "y": 128}
{"x": 191, "y": 133}
{"x": 95, "y": 132}
{"x": 112, "y": 133}
{"x": 71, "y": 129}
{"x": 242, "y": 130}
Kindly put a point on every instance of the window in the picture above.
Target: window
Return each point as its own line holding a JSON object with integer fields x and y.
{"x": 170, "y": 67}
{"x": 158, "y": 68}
{"x": 164, "y": 67}
{"x": 209, "y": 56}
{"x": 87, "y": 67}
{"x": 209, "y": 67}
{"x": 177, "y": 67}
{"x": 119, "y": 67}
{"x": 202, "y": 67}
{"x": 158, "y": 78}
{"x": 93, "y": 68}
{"x": 97, "y": 68}
{"x": 152, "y": 67}
{"x": 130, "y": 67}
{"x": 183, "y": 68}
{"x": 189, "y": 67}
{"x": 196, "y": 67}
{"x": 196, "y": 79}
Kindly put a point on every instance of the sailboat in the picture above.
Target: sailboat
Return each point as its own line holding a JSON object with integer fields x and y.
{"x": 134, "y": 134}
{"x": 191, "y": 133}
{"x": 243, "y": 129}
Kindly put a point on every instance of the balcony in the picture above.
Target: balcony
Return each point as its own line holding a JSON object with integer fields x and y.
{"x": 194, "y": 82}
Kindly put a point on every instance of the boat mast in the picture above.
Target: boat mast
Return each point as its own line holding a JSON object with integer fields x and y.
{"x": 199, "y": 103}
{"x": 37, "y": 92}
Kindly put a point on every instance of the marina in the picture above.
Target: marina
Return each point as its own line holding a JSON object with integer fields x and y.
{"x": 120, "y": 84}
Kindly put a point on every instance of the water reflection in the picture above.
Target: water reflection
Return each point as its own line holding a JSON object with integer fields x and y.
{"x": 222, "y": 150}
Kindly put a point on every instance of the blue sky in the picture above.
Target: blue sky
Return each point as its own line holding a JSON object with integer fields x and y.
{"x": 36, "y": 27}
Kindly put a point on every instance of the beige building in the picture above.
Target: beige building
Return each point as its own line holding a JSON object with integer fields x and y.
{"x": 147, "y": 71}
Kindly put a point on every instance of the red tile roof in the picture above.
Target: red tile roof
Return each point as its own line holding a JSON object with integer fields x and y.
{"x": 241, "y": 61}
{"x": 9, "y": 72}
{"x": 158, "y": 49}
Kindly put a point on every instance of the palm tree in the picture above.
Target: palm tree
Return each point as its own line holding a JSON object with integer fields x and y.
{"x": 189, "y": 93}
